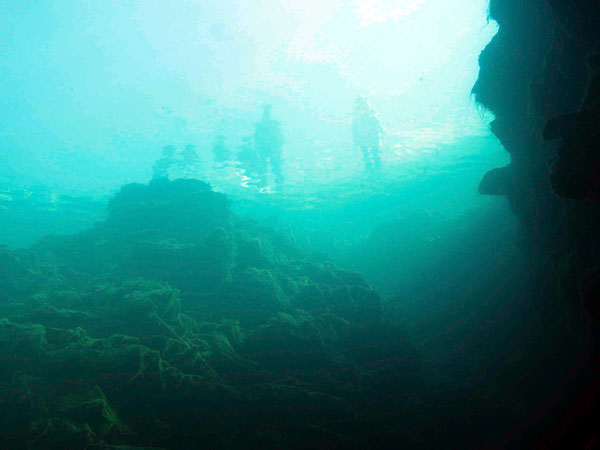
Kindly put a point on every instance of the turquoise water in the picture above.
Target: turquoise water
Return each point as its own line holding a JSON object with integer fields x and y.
{"x": 92, "y": 93}
{"x": 158, "y": 293}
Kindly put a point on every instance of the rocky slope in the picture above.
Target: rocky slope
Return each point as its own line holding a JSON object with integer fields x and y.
{"x": 177, "y": 325}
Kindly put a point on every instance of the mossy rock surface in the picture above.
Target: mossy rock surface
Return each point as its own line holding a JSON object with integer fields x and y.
{"x": 176, "y": 325}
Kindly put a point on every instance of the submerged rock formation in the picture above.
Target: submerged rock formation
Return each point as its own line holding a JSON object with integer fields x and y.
{"x": 540, "y": 78}
{"x": 175, "y": 324}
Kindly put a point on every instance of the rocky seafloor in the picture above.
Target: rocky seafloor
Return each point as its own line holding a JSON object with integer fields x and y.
{"x": 175, "y": 324}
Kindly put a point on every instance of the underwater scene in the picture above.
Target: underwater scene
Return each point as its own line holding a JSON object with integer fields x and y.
{"x": 279, "y": 224}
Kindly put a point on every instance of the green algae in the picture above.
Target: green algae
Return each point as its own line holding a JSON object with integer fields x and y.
{"x": 142, "y": 331}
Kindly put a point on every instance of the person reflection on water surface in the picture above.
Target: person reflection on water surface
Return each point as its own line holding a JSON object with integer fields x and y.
{"x": 367, "y": 133}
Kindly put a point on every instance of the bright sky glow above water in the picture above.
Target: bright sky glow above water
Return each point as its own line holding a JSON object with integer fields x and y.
{"x": 91, "y": 91}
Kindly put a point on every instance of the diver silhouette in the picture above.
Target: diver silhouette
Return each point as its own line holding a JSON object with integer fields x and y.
{"x": 268, "y": 142}
{"x": 367, "y": 133}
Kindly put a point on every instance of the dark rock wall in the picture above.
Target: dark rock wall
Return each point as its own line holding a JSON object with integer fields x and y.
{"x": 537, "y": 78}
{"x": 540, "y": 76}
{"x": 509, "y": 64}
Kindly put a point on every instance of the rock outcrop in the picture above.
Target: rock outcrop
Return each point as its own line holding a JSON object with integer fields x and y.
{"x": 175, "y": 324}
{"x": 540, "y": 78}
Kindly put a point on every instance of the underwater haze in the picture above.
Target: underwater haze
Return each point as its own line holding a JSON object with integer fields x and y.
{"x": 92, "y": 91}
{"x": 257, "y": 224}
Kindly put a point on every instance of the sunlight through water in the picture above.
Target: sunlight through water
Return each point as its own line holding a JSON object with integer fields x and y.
{"x": 126, "y": 79}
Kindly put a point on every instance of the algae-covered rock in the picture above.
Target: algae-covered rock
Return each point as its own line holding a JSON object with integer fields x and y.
{"x": 253, "y": 296}
{"x": 49, "y": 315}
{"x": 21, "y": 274}
{"x": 253, "y": 252}
{"x": 221, "y": 246}
{"x": 288, "y": 342}
{"x": 356, "y": 303}
{"x": 190, "y": 267}
{"x": 185, "y": 208}
{"x": 57, "y": 434}
{"x": 385, "y": 356}
{"x": 172, "y": 324}
{"x": 343, "y": 293}
{"x": 21, "y": 346}
{"x": 89, "y": 407}
{"x": 311, "y": 298}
